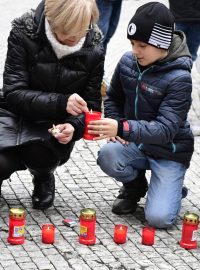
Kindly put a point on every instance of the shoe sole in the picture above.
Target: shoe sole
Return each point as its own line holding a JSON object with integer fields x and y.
{"x": 39, "y": 207}
{"x": 129, "y": 211}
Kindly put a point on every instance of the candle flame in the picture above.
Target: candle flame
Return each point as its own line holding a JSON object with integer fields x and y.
{"x": 91, "y": 111}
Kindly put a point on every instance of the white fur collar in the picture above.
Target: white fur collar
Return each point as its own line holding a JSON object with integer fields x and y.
{"x": 60, "y": 49}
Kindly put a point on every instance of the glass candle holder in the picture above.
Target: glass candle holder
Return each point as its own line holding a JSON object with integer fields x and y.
{"x": 90, "y": 116}
{"x": 16, "y": 226}
{"x": 148, "y": 235}
{"x": 189, "y": 231}
{"x": 87, "y": 226}
{"x": 120, "y": 233}
{"x": 48, "y": 234}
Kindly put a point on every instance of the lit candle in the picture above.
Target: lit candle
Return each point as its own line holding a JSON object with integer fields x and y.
{"x": 48, "y": 231}
{"x": 120, "y": 233}
{"x": 148, "y": 234}
{"x": 55, "y": 130}
{"x": 90, "y": 116}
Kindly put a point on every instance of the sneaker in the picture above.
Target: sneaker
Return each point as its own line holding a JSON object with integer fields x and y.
{"x": 130, "y": 194}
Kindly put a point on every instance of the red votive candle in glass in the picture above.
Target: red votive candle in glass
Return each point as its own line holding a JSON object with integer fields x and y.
{"x": 16, "y": 226}
{"x": 48, "y": 233}
{"x": 189, "y": 231}
{"x": 87, "y": 226}
{"x": 120, "y": 233}
{"x": 148, "y": 234}
{"x": 90, "y": 116}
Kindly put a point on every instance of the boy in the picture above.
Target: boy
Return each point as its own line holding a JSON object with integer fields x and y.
{"x": 146, "y": 110}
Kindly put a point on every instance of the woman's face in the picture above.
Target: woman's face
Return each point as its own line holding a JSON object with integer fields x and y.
{"x": 70, "y": 40}
{"x": 147, "y": 54}
{"x": 74, "y": 36}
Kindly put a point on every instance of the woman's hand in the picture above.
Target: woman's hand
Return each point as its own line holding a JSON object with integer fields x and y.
{"x": 64, "y": 133}
{"x": 76, "y": 105}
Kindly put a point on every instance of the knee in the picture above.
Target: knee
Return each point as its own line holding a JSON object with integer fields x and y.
{"x": 159, "y": 219}
{"x": 108, "y": 161}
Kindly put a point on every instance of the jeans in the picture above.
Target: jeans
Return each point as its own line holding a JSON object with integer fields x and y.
{"x": 109, "y": 18}
{"x": 192, "y": 32}
{"x": 163, "y": 203}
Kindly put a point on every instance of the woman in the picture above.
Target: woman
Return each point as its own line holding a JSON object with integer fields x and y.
{"x": 52, "y": 75}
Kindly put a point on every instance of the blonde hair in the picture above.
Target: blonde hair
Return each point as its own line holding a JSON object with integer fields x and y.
{"x": 71, "y": 16}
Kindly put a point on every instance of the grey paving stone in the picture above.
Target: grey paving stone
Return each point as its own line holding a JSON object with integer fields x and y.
{"x": 27, "y": 265}
{"x": 81, "y": 183}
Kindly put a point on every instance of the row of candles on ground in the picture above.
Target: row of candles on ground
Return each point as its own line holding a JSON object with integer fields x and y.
{"x": 87, "y": 229}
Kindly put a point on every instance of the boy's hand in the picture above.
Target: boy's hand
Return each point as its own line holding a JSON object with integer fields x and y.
{"x": 105, "y": 128}
{"x": 117, "y": 138}
{"x": 76, "y": 105}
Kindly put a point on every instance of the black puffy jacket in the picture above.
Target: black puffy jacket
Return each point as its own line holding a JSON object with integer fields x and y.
{"x": 36, "y": 84}
{"x": 155, "y": 102}
{"x": 185, "y": 10}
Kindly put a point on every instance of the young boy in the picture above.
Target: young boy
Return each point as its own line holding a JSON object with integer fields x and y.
{"x": 146, "y": 110}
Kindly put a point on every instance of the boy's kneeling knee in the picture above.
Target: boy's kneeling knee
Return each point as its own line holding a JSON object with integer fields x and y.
{"x": 159, "y": 220}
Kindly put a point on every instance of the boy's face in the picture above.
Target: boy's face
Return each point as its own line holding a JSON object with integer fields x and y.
{"x": 147, "y": 54}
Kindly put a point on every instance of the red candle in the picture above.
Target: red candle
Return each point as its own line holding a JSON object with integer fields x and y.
{"x": 90, "y": 116}
{"x": 16, "y": 226}
{"x": 48, "y": 233}
{"x": 148, "y": 234}
{"x": 189, "y": 231}
{"x": 87, "y": 226}
{"x": 120, "y": 233}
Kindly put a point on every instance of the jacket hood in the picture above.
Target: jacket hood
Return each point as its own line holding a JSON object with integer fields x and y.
{"x": 32, "y": 24}
{"x": 178, "y": 47}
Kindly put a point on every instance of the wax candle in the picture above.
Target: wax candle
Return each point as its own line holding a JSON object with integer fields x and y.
{"x": 48, "y": 233}
{"x": 120, "y": 233}
{"x": 148, "y": 234}
{"x": 90, "y": 116}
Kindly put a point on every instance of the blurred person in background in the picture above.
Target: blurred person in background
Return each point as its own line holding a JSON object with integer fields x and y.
{"x": 187, "y": 19}
{"x": 109, "y": 14}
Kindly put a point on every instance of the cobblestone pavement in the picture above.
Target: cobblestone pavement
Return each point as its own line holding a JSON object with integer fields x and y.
{"x": 80, "y": 183}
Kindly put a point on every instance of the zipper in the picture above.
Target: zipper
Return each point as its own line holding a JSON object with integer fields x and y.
{"x": 173, "y": 148}
{"x": 137, "y": 89}
{"x": 58, "y": 74}
{"x": 140, "y": 146}
{"x": 19, "y": 131}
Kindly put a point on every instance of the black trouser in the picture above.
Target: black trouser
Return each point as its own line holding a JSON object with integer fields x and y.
{"x": 35, "y": 157}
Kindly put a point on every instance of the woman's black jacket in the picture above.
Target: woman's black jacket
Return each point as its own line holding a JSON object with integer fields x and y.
{"x": 36, "y": 84}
